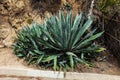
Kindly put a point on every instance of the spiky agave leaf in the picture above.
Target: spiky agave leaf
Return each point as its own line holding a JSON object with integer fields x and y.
{"x": 59, "y": 42}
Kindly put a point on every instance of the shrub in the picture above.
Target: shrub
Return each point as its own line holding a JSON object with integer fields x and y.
{"x": 108, "y": 6}
{"x": 59, "y": 42}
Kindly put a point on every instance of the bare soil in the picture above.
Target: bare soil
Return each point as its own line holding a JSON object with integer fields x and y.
{"x": 8, "y": 59}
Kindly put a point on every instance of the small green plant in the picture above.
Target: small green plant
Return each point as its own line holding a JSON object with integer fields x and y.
{"x": 106, "y": 5}
{"x": 60, "y": 43}
{"x": 30, "y": 21}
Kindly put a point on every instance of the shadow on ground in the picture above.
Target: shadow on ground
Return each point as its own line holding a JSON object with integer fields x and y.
{"x": 46, "y": 5}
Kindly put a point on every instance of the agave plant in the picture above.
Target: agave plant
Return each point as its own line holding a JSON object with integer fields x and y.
{"x": 59, "y": 42}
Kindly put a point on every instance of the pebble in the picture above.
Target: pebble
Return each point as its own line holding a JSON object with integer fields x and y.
{"x": 2, "y": 46}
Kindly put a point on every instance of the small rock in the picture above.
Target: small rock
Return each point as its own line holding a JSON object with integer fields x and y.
{"x": 102, "y": 69}
{"x": 103, "y": 59}
{"x": 110, "y": 65}
{"x": 20, "y": 4}
{"x": 2, "y": 46}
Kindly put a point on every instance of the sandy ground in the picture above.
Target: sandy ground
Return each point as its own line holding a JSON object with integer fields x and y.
{"x": 8, "y": 59}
